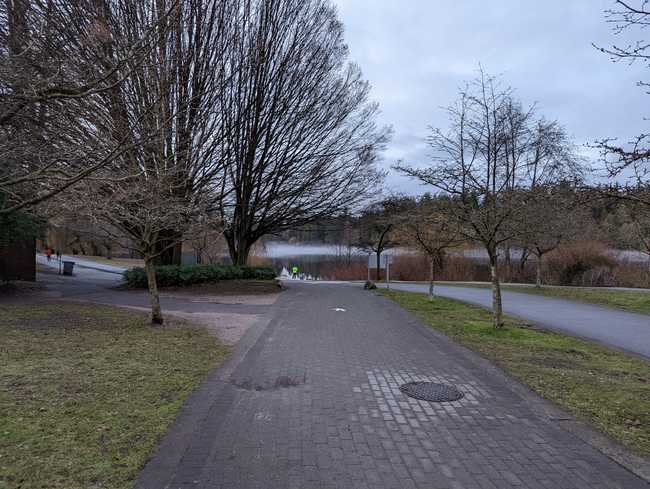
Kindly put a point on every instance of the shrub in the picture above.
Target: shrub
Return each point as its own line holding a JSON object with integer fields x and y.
{"x": 182, "y": 276}
{"x": 587, "y": 263}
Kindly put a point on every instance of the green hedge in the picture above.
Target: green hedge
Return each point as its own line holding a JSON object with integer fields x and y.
{"x": 180, "y": 276}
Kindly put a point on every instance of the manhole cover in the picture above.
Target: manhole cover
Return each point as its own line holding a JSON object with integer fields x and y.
{"x": 430, "y": 391}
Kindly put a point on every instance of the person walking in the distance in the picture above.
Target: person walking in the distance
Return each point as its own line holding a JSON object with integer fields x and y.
{"x": 294, "y": 272}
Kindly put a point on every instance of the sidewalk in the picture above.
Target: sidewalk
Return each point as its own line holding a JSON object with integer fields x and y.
{"x": 79, "y": 262}
{"x": 313, "y": 401}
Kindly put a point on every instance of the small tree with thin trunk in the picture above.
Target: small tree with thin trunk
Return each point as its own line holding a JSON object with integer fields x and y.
{"x": 135, "y": 213}
{"x": 430, "y": 228}
{"x": 548, "y": 216}
{"x": 376, "y": 226}
{"x": 474, "y": 166}
{"x": 636, "y": 229}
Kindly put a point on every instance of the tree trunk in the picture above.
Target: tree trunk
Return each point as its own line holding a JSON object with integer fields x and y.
{"x": 497, "y": 307}
{"x": 156, "y": 313}
{"x": 378, "y": 265}
{"x": 538, "y": 276}
{"x": 508, "y": 261}
{"x": 523, "y": 259}
{"x": 239, "y": 249}
{"x": 168, "y": 253}
{"x": 432, "y": 276}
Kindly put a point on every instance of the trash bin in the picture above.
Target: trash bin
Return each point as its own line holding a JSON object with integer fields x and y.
{"x": 68, "y": 266}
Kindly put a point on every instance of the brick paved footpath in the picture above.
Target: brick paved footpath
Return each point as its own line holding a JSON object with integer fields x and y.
{"x": 313, "y": 402}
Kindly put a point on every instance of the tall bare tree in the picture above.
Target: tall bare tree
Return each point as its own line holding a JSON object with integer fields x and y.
{"x": 55, "y": 68}
{"x": 298, "y": 140}
{"x": 159, "y": 188}
{"x": 539, "y": 148}
{"x": 630, "y": 160}
{"x": 479, "y": 163}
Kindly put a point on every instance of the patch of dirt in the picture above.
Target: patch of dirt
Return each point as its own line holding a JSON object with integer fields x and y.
{"x": 530, "y": 326}
{"x": 252, "y": 300}
{"x": 228, "y": 287}
{"x": 227, "y": 327}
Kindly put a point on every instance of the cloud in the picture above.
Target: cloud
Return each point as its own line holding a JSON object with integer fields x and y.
{"x": 417, "y": 53}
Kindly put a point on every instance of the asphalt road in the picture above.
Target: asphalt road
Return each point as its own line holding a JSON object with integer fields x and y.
{"x": 611, "y": 327}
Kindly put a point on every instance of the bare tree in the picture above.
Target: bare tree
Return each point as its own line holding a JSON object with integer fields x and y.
{"x": 548, "y": 216}
{"x": 136, "y": 212}
{"x": 632, "y": 159}
{"x": 429, "y": 228}
{"x": 158, "y": 189}
{"x": 636, "y": 228}
{"x": 55, "y": 68}
{"x": 206, "y": 239}
{"x": 376, "y": 225}
{"x": 298, "y": 140}
{"x": 479, "y": 163}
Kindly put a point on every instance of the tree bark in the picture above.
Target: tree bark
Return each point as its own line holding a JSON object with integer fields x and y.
{"x": 239, "y": 250}
{"x": 432, "y": 276}
{"x": 154, "y": 298}
{"x": 523, "y": 259}
{"x": 508, "y": 261}
{"x": 172, "y": 254}
{"x": 538, "y": 276}
{"x": 497, "y": 306}
{"x": 378, "y": 265}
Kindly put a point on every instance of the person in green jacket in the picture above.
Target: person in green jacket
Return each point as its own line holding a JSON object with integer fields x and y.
{"x": 294, "y": 272}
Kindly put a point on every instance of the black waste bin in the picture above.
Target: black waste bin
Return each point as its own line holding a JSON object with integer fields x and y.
{"x": 68, "y": 267}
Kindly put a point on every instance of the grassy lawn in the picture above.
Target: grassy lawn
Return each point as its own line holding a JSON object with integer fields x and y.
{"x": 628, "y": 300}
{"x": 608, "y": 389}
{"x": 86, "y": 392}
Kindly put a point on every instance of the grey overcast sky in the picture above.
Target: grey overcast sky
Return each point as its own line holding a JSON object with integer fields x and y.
{"x": 417, "y": 53}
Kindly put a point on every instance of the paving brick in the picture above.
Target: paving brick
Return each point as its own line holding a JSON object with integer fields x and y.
{"x": 342, "y": 422}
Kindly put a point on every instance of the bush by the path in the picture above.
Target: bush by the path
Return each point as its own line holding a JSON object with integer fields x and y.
{"x": 182, "y": 276}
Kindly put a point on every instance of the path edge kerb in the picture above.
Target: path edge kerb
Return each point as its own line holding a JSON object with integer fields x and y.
{"x": 549, "y": 412}
{"x": 161, "y": 466}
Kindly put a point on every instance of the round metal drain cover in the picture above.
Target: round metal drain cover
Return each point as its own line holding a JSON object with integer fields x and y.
{"x": 430, "y": 391}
